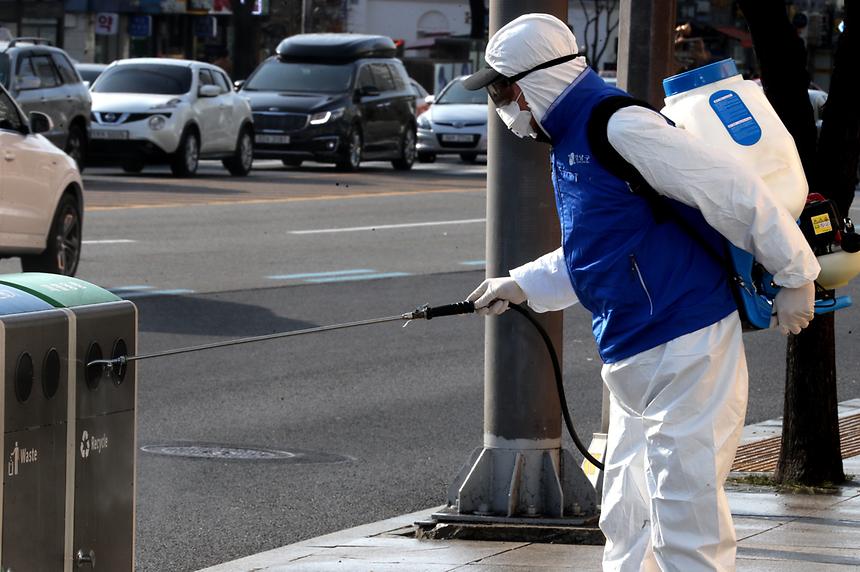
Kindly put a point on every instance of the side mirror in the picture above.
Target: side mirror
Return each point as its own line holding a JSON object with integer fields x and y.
{"x": 86, "y": 84}
{"x": 28, "y": 82}
{"x": 237, "y": 85}
{"x": 209, "y": 91}
{"x": 40, "y": 123}
{"x": 430, "y": 99}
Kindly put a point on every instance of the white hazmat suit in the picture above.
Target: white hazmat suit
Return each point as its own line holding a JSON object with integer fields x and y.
{"x": 676, "y": 410}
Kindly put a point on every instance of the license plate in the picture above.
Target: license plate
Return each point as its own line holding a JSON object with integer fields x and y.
{"x": 457, "y": 138}
{"x": 108, "y": 134}
{"x": 278, "y": 139}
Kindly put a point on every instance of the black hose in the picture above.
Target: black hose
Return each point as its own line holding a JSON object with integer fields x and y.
{"x": 559, "y": 384}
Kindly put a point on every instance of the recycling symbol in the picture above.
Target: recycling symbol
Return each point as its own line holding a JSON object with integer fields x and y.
{"x": 85, "y": 445}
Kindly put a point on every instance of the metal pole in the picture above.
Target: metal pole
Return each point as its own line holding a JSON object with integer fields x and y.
{"x": 521, "y": 470}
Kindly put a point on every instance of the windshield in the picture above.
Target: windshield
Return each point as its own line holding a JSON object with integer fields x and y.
{"x": 145, "y": 78}
{"x": 276, "y": 75}
{"x": 456, "y": 93}
{"x": 4, "y": 69}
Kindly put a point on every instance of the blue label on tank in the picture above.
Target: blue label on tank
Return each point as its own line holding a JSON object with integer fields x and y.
{"x": 737, "y": 119}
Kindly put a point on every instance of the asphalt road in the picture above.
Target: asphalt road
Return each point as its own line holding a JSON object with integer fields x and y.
{"x": 216, "y": 258}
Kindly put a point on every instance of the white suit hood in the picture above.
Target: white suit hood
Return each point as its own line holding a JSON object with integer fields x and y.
{"x": 528, "y": 41}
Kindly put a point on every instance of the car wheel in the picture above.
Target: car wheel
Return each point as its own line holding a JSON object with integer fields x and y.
{"x": 240, "y": 163}
{"x": 76, "y": 145}
{"x": 63, "y": 251}
{"x": 469, "y": 157}
{"x": 407, "y": 151}
{"x": 426, "y": 157}
{"x": 184, "y": 161}
{"x": 132, "y": 166}
{"x": 351, "y": 159}
{"x": 292, "y": 162}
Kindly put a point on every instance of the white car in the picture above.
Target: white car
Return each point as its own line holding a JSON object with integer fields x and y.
{"x": 156, "y": 110}
{"x": 41, "y": 194}
{"x": 456, "y": 124}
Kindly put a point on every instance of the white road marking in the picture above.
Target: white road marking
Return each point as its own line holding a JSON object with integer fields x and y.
{"x": 109, "y": 241}
{"x": 390, "y": 226}
{"x": 320, "y": 274}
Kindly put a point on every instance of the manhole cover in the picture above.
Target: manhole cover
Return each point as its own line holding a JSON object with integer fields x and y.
{"x": 238, "y": 453}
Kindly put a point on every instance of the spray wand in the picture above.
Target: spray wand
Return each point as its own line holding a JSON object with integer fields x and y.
{"x": 117, "y": 364}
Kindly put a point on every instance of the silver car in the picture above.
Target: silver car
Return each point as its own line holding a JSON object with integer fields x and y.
{"x": 456, "y": 124}
{"x": 42, "y": 78}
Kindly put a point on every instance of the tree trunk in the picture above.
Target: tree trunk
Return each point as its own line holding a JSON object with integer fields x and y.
{"x": 839, "y": 144}
{"x": 810, "y": 452}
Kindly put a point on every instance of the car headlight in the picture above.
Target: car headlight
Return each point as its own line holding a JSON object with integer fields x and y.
{"x": 157, "y": 122}
{"x": 168, "y": 104}
{"x": 326, "y": 116}
{"x": 423, "y": 121}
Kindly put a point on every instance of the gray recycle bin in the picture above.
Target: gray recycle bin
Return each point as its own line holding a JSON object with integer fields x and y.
{"x": 34, "y": 353}
{"x": 101, "y": 325}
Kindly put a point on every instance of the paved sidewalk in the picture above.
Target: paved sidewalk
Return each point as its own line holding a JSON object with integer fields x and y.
{"x": 776, "y": 532}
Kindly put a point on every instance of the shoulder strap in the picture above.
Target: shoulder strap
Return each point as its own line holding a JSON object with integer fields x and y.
{"x": 606, "y": 155}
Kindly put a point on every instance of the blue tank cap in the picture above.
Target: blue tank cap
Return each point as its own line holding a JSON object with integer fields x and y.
{"x": 699, "y": 77}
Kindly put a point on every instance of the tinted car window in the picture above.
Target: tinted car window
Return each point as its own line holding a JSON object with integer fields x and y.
{"x": 382, "y": 77}
{"x": 222, "y": 82}
{"x": 67, "y": 71}
{"x": 5, "y": 69}
{"x": 9, "y": 117}
{"x": 145, "y": 78}
{"x": 399, "y": 82}
{"x": 274, "y": 75}
{"x": 456, "y": 93}
{"x": 25, "y": 68}
{"x": 365, "y": 78}
{"x": 206, "y": 78}
{"x": 45, "y": 71}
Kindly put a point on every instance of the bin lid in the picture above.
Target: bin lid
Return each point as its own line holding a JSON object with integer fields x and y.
{"x": 14, "y": 301}
{"x": 699, "y": 77}
{"x": 59, "y": 291}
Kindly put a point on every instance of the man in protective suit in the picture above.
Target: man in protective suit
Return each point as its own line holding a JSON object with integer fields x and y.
{"x": 664, "y": 318}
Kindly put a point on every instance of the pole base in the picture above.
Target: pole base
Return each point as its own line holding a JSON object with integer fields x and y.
{"x": 448, "y": 524}
{"x": 522, "y": 483}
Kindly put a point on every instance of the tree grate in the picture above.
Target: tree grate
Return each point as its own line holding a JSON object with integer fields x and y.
{"x": 762, "y": 456}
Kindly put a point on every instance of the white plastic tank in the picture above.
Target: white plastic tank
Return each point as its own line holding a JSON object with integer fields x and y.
{"x": 733, "y": 115}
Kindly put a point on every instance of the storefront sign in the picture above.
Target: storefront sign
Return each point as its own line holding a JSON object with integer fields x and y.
{"x": 140, "y": 26}
{"x": 107, "y": 23}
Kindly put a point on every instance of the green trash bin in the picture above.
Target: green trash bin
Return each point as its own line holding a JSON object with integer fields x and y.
{"x": 34, "y": 349}
{"x": 101, "y": 325}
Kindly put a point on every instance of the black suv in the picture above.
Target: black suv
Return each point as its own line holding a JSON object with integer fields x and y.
{"x": 334, "y": 98}
{"x": 42, "y": 78}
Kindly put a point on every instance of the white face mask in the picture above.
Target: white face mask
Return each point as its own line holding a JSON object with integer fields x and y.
{"x": 519, "y": 121}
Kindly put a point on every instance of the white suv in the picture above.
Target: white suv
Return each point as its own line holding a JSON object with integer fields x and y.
{"x": 41, "y": 194}
{"x": 154, "y": 110}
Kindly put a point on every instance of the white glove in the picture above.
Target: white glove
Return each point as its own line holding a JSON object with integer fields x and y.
{"x": 494, "y": 295}
{"x": 795, "y": 308}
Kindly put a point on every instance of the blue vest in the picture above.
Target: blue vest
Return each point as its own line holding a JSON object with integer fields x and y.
{"x": 644, "y": 282}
